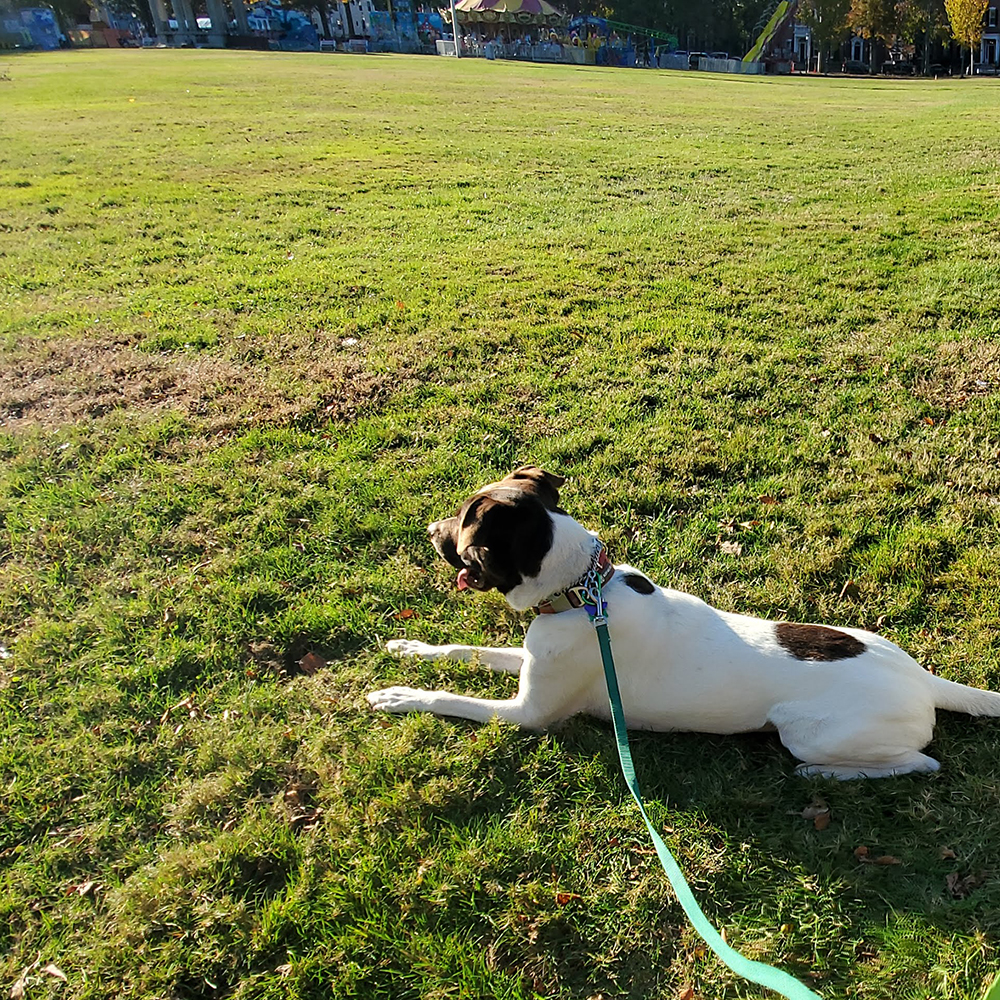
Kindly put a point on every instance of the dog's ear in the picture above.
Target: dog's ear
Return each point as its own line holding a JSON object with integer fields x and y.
{"x": 532, "y": 479}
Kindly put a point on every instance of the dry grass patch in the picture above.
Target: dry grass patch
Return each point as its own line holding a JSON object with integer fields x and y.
{"x": 56, "y": 382}
{"x": 960, "y": 370}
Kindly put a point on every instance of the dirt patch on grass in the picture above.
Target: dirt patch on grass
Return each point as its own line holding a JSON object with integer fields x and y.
{"x": 960, "y": 371}
{"x": 55, "y": 382}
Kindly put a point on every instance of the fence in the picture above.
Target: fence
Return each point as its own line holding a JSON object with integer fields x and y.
{"x": 729, "y": 66}
{"x": 669, "y": 61}
{"x": 606, "y": 55}
{"x": 495, "y": 49}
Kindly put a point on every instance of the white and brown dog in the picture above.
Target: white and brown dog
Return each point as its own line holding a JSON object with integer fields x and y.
{"x": 847, "y": 702}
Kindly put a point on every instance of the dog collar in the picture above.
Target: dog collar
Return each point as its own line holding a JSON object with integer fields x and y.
{"x": 584, "y": 591}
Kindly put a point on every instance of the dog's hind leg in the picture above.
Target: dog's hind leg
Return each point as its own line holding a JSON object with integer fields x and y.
{"x": 877, "y": 743}
{"x": 503, "y": 660}
{"x": 904, "y": 764}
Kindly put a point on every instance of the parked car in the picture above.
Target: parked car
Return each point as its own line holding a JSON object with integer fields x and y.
{"x": 718, "y": 55}
{"x": 854, "y": 66}
{"x": 985, "y": 69}
{"x": 693, "y": 58}
{"x": 898, "y": 67}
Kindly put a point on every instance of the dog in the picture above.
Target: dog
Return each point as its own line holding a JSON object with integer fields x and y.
{"x": 845, "y": 702}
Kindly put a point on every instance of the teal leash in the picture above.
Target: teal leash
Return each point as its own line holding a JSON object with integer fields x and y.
{"x": 755, "y": 972}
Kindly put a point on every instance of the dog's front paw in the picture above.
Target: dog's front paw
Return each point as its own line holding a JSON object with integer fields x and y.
{"x": 413, "y": 648}
{"x": 399, "y": 699}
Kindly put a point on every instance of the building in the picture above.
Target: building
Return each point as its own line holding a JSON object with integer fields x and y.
{"x": 989, "y": 46}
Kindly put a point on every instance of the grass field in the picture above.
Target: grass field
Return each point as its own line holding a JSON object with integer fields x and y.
{"x": 263, "y": 316}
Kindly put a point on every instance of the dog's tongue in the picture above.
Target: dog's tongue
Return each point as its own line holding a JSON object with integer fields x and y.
{"x": 463, "y": 579}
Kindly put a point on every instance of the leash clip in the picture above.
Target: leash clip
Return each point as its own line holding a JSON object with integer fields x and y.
{"x": 595, "y": 593}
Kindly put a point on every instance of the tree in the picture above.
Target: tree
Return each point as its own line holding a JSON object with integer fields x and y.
{"x": 966, "y": 18}
{"x": 924, "y": 19}
{"x": 826, "y": 20}
{"x": 327, "y": 10}
{"x": 70, "y": 13}
{"x": 873, "y": 19}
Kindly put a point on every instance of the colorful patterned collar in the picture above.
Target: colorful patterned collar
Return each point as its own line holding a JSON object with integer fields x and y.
{"x": 583, "y": 593}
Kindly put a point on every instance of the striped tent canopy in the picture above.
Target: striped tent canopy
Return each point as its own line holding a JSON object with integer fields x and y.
{"x": 511, "y": 11}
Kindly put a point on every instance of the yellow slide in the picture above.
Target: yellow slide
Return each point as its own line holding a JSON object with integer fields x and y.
{"x": 769, "y": 31}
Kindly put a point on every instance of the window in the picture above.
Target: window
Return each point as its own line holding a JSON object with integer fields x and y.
{"x": 991, "y": 17}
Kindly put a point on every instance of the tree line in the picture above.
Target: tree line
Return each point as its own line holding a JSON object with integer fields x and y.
{"x": 910, "y": 28}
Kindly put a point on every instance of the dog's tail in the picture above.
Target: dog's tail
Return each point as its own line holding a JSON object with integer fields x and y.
{"x": 960, "y": 698}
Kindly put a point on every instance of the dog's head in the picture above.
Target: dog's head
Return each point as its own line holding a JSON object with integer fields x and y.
{"x": 501, "y": 534}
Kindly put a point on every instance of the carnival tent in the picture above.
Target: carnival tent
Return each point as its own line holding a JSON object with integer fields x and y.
{"x": 508, "y": 11}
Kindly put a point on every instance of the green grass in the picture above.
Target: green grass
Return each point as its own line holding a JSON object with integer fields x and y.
{"x": 263, "y": 316}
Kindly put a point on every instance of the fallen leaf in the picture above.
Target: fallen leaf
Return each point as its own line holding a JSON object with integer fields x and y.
{"x": 404, "y": 614}
{"x": 284, "y": 970}
{"x": 85, "y": 888}
{"x": 731, "y": 548}
{"x": 960, "y": 887}
{"x": 947, "y": 854}
{"x": 53, "y": 970}
{"x": 311, "y": 662}
{"x": 687, "y": 994}
{"x": 887, "y": 859}
{"x": 562, "y": 898}
{"x": 308, "y": 819}
{"x": 766, "y": 498}
{"x": 819, "y": 812}
{"x": 861, "y": 853}
{"x": 17, "y": 990}
{"x": 814, "y": 808}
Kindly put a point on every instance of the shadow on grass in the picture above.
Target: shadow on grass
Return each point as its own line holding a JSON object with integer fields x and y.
{"x": 900, "y": 859}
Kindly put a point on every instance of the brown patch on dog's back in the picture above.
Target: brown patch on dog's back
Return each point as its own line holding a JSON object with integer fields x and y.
{"x": 817, "y": 642}
{"x": 638, "y": 583}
